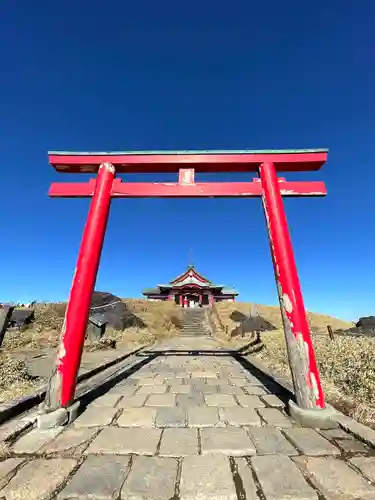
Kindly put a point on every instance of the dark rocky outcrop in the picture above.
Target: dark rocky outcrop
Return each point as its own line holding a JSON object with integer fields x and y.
{"x": 113, "y": 311}
{"x": 250, "y": 324}
{"x": 21, "y": 317}
{"x": 365, "y": 326}
{"x": 366, "y": 322}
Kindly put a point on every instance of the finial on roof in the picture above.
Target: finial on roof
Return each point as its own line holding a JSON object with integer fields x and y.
{"x": 191, "y": 258}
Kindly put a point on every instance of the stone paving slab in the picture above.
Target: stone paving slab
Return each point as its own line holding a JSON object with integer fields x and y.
{"x": 202, "y": 387}
{"x": 281, "y": 480}
{"x": 98, "y": 478}
{"x": 220, "y": 400}
{"x": 230, "y": 441}
{"x": 270, "y": 441}
{"x": 229, "y": 389}
{"x": 179, "y": 443}
{"x": 250, "y": 401}
{"x": 124, "y": 441}
{"x": 132, "y": 401}
{"x": 71, "y": 440}
{"x": 191, "y": 400}
{"x": 122, "y": 390}
{"x": 38, "y": 479}
{"x": 309, "y": 442}
{"x": 110, "y": 400}
{"x": 336, "y": 434}
{"x": 254, "y": 390}
{"x": 239, "y": 416}
{"x": 8, "y": 469}
{"x": 335, "y": 479}
{"x": 273, "y": 401}
{"x": 168, "y": 400}
{"x": 366, "y": 465}
{"x": 207, "y": 478}
{"x": 151, "y": 478}
{"x": 248, "y": 486}
{"x": 171, "y": 417}
{"x": 203, "y": 417}
{"x": 179, "y": 389}
{"x": 137, "y": 417}
{"x": 152, "y": 389}
{"x": 32, "y": 441}
{"x": 95, "y": 416}
{"x": 273, "y": 416}
{"x": 352, "y": 446}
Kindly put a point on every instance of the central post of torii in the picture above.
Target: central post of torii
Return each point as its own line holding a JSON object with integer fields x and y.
{"x": 308, "y": 391}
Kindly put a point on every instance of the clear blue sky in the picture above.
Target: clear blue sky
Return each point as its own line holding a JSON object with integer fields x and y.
{"x": 115, "y": 75}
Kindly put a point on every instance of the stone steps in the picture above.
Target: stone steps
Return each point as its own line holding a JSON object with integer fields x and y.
{"x": 194, "y": 324}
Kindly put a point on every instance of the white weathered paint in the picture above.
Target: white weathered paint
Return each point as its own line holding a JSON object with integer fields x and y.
{"x": 287, "y": 303}
{"x": 287, "y": 191}
{"x": 314, "y": 385}
{"x": 109, "y": 167}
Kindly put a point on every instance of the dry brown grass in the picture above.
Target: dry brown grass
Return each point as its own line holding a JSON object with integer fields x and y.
{"x": 347, "y": 369}
{"x": 162, "y": 320}
{"x": 43, "y": 332}
{"x": 318, "y": 322}
{"x": 346, "y": 364}
{"x": 14, "y": 379}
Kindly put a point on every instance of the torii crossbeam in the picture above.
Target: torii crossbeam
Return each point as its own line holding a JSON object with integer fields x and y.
{"x": 268, "y": 186}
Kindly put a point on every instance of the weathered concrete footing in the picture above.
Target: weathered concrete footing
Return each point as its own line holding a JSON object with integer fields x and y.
{"x": 316, "y": 419}
{"x": 59, "y": 417}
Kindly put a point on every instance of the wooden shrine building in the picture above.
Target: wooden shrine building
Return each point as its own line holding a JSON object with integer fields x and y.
{"x": 191, "y": 289}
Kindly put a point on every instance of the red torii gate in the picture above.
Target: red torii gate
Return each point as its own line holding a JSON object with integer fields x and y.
{"x": 269, "y": 187}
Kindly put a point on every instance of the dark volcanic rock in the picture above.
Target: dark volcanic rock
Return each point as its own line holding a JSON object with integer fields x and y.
{"x": 21, "y": 317}
{"x": 250, "y": 324}
{"x": 366, "y": 322}
{"x": 357, "y": 331}
{"x": 113, "y": 311}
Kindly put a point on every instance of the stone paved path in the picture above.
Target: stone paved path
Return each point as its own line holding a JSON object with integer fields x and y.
{"x": 187, "y": 427}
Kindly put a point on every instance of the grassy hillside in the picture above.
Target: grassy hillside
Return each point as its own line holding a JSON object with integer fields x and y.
{"x": 346, "y": 364}
{"x": 147, "y": 322}
{"x": 228, "y": 314}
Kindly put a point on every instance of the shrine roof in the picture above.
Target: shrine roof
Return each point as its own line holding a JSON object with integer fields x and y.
{"x": 191, "y": 277}
{"x": 190, "y": 282}
{"x": 190, "y": 272}
{"x": 244, "y": 160}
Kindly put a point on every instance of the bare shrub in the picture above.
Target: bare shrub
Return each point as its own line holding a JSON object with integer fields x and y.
{"x": 347, "y": 369}
{"x": 14, "y": 378}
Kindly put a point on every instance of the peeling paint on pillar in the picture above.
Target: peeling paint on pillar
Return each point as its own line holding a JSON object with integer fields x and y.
{"x": 287, "y": 303}
{"x": 301, "y": 354}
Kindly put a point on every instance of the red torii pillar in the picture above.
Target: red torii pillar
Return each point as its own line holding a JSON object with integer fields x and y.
{"x": 308, "y": 390}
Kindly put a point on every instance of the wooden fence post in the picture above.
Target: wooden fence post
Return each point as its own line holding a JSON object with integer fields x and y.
{"x": 330, "y": 332}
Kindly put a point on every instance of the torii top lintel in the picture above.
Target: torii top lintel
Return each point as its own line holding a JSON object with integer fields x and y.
{"x": 285, "y": 160}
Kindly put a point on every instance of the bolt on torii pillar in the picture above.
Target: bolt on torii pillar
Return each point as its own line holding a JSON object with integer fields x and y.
{"x": 269, "y": 187}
